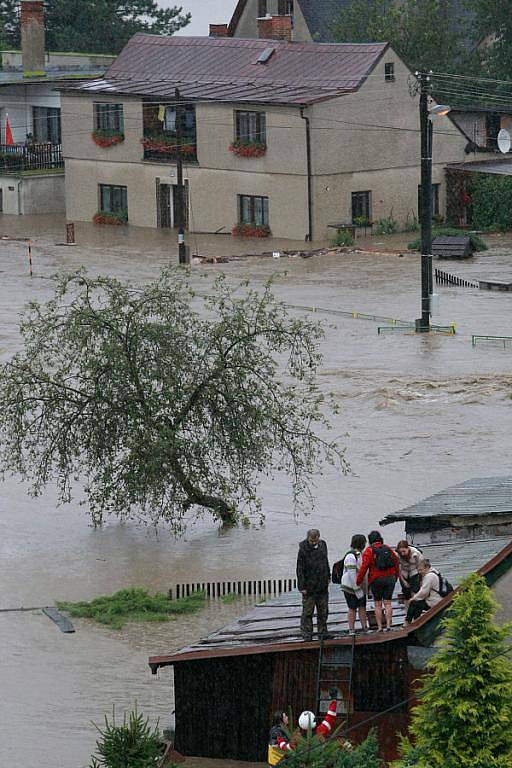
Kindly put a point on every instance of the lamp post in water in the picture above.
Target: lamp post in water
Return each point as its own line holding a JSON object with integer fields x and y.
{"x": 426, "y": 129}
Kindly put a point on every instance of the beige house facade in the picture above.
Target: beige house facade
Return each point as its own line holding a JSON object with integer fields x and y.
{"x": 339, "y": 146}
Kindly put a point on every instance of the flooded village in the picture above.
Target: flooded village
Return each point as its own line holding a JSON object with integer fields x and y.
{"x": 423, "y": 417}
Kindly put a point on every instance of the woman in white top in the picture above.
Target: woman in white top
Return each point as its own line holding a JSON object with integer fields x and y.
{"x": 354, "y": 595}
{"x": 409, "y": 558}
{"x": 428, "y": 594}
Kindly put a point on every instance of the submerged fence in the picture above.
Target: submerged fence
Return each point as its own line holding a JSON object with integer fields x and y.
{"x": 506, "y": 341}
{"x": 445, "y": 278}
{"x": 217, "y": 589}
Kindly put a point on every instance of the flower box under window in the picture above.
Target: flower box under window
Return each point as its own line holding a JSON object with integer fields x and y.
{"x": 242, "y": 148}
{"x": 105, "y": 137}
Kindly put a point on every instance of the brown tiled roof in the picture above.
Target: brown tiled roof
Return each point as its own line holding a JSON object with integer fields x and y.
{"x": 227, "y": 69}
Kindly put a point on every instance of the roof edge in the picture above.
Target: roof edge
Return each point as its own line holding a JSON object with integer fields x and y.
{"x": 155, "y": 662}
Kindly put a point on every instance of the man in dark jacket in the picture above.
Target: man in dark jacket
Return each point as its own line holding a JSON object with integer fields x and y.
{"x": 313, "y": 576}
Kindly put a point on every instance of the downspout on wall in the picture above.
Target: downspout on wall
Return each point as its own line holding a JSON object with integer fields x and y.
{"x": 309, "y": 236}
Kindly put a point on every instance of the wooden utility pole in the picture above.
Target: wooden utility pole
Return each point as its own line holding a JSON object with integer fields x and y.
{"x": 423, "y": 323}
{"x": 180, "y": 191}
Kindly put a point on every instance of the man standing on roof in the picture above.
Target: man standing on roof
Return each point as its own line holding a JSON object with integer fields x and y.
{"x": 383, "y": 569}
{"x": 313, "y": 576}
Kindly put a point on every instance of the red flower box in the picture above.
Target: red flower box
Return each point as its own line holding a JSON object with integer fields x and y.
{"x": 106, "y": 140}
{"x": 109, "y": 218}
{"x": 251, "y": 230}
{"x": 248, "y": 149}
{"x": 168, "y": 147}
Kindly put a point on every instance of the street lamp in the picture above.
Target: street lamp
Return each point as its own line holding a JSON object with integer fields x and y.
{"x": 427, "y": 115}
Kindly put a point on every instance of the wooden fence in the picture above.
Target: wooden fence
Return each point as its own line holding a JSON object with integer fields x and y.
{"x": 216, "y": 589}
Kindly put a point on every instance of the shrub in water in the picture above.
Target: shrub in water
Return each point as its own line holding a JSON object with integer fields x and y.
{"x": 133, "y": 604}
{"x": 342, "y": 239}
{"x": 387, "y": 226}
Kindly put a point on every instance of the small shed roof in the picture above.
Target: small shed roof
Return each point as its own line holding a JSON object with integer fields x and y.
{"x": 477, "y": 497}
{"x": 227, "y": 69}
{"x": 496, "y": 166}
{"x": 274, "y": 626}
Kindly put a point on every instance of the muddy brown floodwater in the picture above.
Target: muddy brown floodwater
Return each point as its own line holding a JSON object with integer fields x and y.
{"x": 420, "y": 413}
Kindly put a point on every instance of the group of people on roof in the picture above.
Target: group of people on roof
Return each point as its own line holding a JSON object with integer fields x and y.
{"x": 366, "y": 569}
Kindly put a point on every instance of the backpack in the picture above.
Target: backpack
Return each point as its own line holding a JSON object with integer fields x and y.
{"x": 383, "y": 557}
{"x": 444, "y": 585}
{"x": 337, "y": 569}
{"x": 337, "y": 572}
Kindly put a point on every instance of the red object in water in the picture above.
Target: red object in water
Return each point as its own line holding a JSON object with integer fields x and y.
{"x": 8, "y": 133}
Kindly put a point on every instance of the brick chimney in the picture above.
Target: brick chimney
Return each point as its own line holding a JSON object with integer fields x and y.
{"x": 218, "y": 30}
{"x": 32, "y": 36}
{"x": 275, "y": 28}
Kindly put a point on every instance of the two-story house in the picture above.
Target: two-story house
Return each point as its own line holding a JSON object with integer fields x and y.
{"x": 31, "y": 163}
{"x": 278, "y": 135}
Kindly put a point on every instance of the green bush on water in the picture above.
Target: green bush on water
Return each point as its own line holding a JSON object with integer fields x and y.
{"x": 134, "y": 604}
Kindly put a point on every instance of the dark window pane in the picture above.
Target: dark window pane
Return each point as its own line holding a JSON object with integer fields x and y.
{"x": 109, "y": 117}
{"x": 113, "y": 199}
{"x": 361, "y": 205}
{"x": 250, "y": 126}
{"x": 254, "y": 210}
{"x": 389, "y": 72}
{"x": 262, "y": 8}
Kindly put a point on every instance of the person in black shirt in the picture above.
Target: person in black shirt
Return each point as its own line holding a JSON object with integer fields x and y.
{"x": 313, "y": 576}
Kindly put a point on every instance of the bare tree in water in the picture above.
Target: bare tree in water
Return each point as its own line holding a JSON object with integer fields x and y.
{"x": 160, "y": 408}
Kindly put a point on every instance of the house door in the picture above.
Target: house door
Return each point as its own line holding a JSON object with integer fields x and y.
{"x": 165, "y": 206}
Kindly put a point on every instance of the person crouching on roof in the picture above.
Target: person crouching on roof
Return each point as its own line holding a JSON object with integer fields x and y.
{"x": 307, "y": 724}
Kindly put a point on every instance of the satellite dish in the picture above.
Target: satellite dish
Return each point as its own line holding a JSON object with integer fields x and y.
{"x": 504, "y": 141}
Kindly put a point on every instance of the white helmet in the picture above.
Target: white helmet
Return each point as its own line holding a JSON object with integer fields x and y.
{"x": 307, "y": 720}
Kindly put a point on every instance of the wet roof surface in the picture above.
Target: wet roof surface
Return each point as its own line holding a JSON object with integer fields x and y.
{"x": 274, "y": 625}
{"x": 227, "y": 69}
{"x": 475, "y": 497}
{"x": 495, "y": 166}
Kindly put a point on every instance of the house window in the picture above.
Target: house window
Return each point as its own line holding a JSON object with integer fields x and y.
{"x": 113, "y": 199}
{"x": 361, "y": 206}
{"x": 253, "y": 210}
{"x": 262, "y": 8}
{"x": 188, "y": 121}
{"x": 250, "y": 126}
{"x": 285, "y": 8}
{"x": 46, "y": 125}
{"x": 435, "y": 199}
{"x": 108, "y": 117}
{"x": 389, "y": 72}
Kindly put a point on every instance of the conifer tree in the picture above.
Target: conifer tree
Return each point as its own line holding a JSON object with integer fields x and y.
{"x": 464, "y": 719}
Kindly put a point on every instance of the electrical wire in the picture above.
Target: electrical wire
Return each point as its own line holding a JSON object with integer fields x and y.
{"x": 408, "y": 700}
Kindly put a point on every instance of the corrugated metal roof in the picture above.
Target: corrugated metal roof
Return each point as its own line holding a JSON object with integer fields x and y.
{"x": 227, "y": 69}
{"x": 475, "y": 497}
{"x": 274, "y": 626}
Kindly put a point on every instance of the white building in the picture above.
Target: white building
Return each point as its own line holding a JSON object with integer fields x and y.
{"x": 32, "y": 169}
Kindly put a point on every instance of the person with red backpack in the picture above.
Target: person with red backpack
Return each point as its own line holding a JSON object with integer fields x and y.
{"x": 382, "y": 565}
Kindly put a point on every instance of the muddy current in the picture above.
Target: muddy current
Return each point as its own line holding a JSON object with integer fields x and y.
{"x": 417, "y": 413}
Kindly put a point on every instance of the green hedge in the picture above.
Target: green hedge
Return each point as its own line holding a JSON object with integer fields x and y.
{"x": 492, "y": 202}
